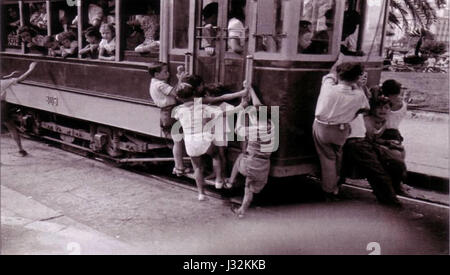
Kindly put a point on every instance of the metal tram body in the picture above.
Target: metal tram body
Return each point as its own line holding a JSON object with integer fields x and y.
{"x": 105, "y": 105}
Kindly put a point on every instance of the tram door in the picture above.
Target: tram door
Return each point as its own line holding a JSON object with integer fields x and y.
{"x": 221, "y": 40}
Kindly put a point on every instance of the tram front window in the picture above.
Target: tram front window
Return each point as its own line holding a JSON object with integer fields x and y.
{"x": 316, "y": 27}
{"x": 142, "y": 26}
{"x": 269, "y": 25}
{"x": 10, "y": 23}
{"x": 181, "y": 24}
{"x": 362, "y": 31}
{"x": 374, "y": 14}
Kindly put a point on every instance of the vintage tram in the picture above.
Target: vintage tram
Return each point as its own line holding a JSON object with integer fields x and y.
{"x": 105, "y": 106}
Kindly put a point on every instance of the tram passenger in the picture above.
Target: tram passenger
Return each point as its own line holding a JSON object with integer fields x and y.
{"x": 305, "y": 36}
{"x": 352, "y": 21}
{"x": 163, "y": 95}
{"x": 150, "y": 25}
{"x": 236, "y": 29}
{"x": 51, "y": 45}
{"x": 68, "y": 45}
{"x": 39, "y": 17}
{"x": 93, "y": 37}
{"x": 321, "y": 39}
{"x": 31, "y": 38}
{"x": 254, "y": 162}
{"x": 6, "y": 119}
{"x": 107, "y": 47}
{"x": 339, "y": 102}
{"x": 210, "y": 13}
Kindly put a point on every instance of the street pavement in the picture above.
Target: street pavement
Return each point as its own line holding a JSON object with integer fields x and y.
{"x": 55, "y": 202}
{"x": 426, "y": 143}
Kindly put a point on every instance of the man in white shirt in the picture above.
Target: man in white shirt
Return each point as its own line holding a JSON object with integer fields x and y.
{"x": 339, "y": 101}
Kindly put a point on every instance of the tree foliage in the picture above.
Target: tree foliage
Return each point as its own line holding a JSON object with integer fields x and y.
{"x": 414, "y": 14}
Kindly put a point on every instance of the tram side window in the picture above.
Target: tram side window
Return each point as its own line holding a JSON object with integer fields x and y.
{"x": 62, "y": 17}
{"x": 142, "y": 26}
{"x": 210, "y": 13}
{"x": 236, "y": 26}
{"x": 316, "y": 27}
{"x": 180, "y": 24}
{"x": 350, "y": 30}
{"x": 35, "y": 27}
{"x": 269, "y": 25}
{"x": 10, "y": 25}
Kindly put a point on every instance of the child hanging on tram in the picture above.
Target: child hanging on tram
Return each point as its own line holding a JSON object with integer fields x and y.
{"x": 164, "y": 96}
{"x": 254, "y": 162}
{"x": 216, "y": 95}
{"x": 107, "y": 47}
{"x": 68, "y": 45}
{"x": 193, "y": 116}
{"x": 6, "y": 84}
{"x": 93, "y": 37}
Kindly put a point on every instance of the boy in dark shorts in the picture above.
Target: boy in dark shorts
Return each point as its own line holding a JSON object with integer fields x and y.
{"x": 164, "y": 96}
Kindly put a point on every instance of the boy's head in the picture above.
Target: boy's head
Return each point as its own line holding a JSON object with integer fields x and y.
{"x": 50, "y": 42}
{"x": 26, "y": 33}
{"x": 197, "y": 83}
{"x": 210, "y": 13}
{"x": 108, "y": 32}
{"x": 215, "y": 90}
{"x": 159, "y": 70}
{"x": 66, "y": 38}
{"x": 350, "y": 71}
{"x": 185, "y": 92}
{"x": 393, "y": 90}
{"x": 93, "y": 36}
{"x": 380, "y": 106}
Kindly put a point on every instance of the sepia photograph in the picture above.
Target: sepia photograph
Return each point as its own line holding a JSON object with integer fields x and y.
{"x": 233, "y": 128}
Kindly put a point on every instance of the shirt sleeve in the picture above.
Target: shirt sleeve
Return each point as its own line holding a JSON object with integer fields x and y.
{"x": 165, "y": 88}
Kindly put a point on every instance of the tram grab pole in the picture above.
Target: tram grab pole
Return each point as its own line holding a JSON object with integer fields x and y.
{"x": 249, "y": 79}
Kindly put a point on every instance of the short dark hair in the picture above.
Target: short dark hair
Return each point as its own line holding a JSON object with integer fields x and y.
{"x": 210, "y": 10}
{"x": 48, "y": 39}
{"x": 391, "y": 87}
{"x": 195, "y": 81}
{"x": 350, "y": 71}
{"x": 28, "y": 29}
{"x": 156, "y": 67}
{"x": 185, "y": 91}
{"x": 216, "y": 90}
{"x": 93, "y": 32}
{"x": 67, "y": 35}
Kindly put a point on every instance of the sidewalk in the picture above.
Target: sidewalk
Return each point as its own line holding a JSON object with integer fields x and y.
{"x": 426, "y": 143}
{"x": 29, "y": 227}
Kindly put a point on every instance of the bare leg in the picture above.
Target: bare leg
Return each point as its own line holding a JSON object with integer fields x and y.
{"x": 235, "y": 171}
{"x": 178, "y": 155}
{"x": 223, "y": 161}
{"x": 248, "y": 198}
{"x": 198, "y": 173}
{"x": 15, "y": 135}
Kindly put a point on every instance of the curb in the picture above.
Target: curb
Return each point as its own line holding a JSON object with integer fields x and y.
{"x": 427, "y": 116}
{"x": 428, "y": 182}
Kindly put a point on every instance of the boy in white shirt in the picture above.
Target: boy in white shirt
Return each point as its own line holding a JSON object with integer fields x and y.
{"x": 164, "y": 96}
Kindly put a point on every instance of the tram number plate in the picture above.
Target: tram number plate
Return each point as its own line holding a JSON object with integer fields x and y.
{"x": 53, "y": 101}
